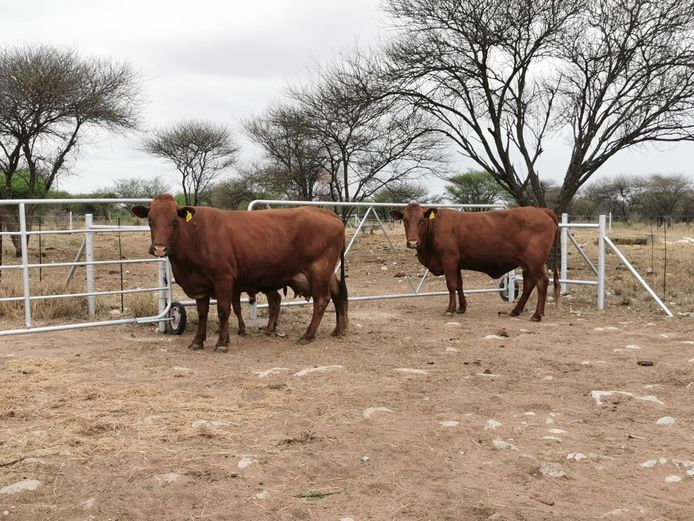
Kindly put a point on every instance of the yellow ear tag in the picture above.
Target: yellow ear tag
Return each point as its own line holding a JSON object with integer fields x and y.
{"x": 432, "y": 216}
{"x": 189, "y": 216}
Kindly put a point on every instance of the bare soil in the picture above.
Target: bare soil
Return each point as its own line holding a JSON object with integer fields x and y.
{"x": 413, "y": 416}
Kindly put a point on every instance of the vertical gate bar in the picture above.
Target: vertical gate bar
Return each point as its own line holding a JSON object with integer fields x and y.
{"x": 511, "y": 285}
{"x": 601, "y": 262}
{"x": 89, "y": 256}
{"x": 564, "y": 269}
{"x": 163, "y": 282}
{"x": 25, "y": 264}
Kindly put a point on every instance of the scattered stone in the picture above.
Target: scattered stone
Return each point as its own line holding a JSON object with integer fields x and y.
{"x": 89, "y": 504}
{"x": 599, "y": 395}
{"x": 673, "y": 479}
{"x": 632, "y": 346}
{"x": 451, "y": 350}
{"x": 607, "y": 328}
{"x": 493, "y": 337}
{"x": 529, "y": 413}
{"x": 616, "y": 512}
{"x": 548, "y": 378}
{"x": 576, "y": 456}
{"x": 261, "y": 495}
{"x": 170, "y": 477}
{"x": 365, "y": 459}
{"x": 552, "y": 470}
{"x": 553, "y": 438}
{"x": 20, "y": 486}
{"x": 492, "y": 424}
{"x": 557, "y": 431}
{"x": 665, "y": 421}
{"x": 245, "y": 461}
{"x": 408, "y": 370}
{"x": 503, "y": 445}
{"x": 451, "y": 324}
{"x": 449, "y": 423}
{"x": 209, "y": 424}
{"x": 368, "y": 413}
{"x": 320, "y": 369}
{"x": 346, "y": 519}
{"x": 273, "y": 370}
{"x": 181, "y": 371}
{"x": 645, "y": 363}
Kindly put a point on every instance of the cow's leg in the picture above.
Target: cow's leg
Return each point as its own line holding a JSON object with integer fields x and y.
{"x": 341, "y": 307}
{"x": 452, "y": 274}
{"x": 320, "y": 291}
{"x": 542, "y": 282}
{"x": 223, "y": 311}
{"x": 236, "y": 306}
{"x": 528, "y": 285}
{"x": 274, "y": 299}
{"x": 462, "y": 303}
{"x": 203, "y": 307}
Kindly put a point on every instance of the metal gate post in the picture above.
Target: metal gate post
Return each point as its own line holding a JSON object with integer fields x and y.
{"x": 25, "y": 264}
{"x": 511, "y": 285}
{"x": 564, "y": 271}
{"x": 89, "y": 256}
{"x": 163, "y": 281}
{"x": 601, "y": 262}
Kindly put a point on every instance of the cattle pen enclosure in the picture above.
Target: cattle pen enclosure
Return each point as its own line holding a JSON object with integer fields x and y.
{"x": 413, "y": 416}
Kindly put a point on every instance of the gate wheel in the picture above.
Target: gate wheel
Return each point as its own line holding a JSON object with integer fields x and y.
{"x": 177, "y": 324}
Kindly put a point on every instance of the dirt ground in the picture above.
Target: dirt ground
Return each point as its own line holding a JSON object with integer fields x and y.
{"x": 414, "y": 416}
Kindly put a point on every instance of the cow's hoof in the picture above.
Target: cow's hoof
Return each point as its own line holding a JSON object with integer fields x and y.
{"x": 514, "y": 313}
{"x": 305, "y": 340}
{"x": 536, "y": 318}
{"x": 196, "y": 347}
{"x": 242, "y": 333}
{"x": 221, "y": 349}
{"x": 448, "y": 313}
{"x": 461, "y": 311}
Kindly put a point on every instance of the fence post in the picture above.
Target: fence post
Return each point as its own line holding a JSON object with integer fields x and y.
{"x": 89, "y": 257}
{"x": 25, "y": 264}
{"x": 564, "y": 242}
{"x": 601, "y": 262}
{"x": 511, "y": 285}
{"x": 163, "y": 281}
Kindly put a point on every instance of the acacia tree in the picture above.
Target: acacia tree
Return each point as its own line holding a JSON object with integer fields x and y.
{"x": 49, "y": 98}
{"x": 502, "y": 76}
{"x": 365, "y": 139}
{"x": 622, "y": 195}
{"x": 199, "y": 150}
{"x": 294, "y": 166}
{"x": 475, "y": 188}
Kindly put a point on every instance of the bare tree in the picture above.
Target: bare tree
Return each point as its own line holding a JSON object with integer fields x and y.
{"x": 502, "y": 76}
{"x": 621, "y": 195}
{"x": 129, "y": 188}
{"x": 294, "y": 166}
{"x": 49, "y": 98}
{"x": 664, "y": 195}
{"x": 366, "y": 140}
{"x": 475, "y": 188}
{"x": 199, "y": 150}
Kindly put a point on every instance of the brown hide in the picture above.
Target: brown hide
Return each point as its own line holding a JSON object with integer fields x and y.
{"x": 493, "y": 242}
{"x": 218, "y": 254}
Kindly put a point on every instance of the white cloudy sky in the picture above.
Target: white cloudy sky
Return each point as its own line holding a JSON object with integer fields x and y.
{"x": 225, "y": 61}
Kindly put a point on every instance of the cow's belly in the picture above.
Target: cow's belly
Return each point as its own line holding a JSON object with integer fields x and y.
{"x": 493, "y": 269}
{"x": 195, "y": 285}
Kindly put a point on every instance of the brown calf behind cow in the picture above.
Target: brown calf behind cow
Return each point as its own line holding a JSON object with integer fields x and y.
{"x": 493, "y": 242}
{"x": 218, "y": 254}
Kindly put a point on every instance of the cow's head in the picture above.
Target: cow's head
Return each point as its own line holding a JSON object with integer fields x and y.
{"x": 417, "y": 221}
{"x": 164, "y": 217}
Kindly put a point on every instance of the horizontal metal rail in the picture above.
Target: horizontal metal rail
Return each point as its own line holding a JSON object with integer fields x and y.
{"x": 84, "y": 294}
{"x": 79, "y": 263}
{"x": 255, "y": 202}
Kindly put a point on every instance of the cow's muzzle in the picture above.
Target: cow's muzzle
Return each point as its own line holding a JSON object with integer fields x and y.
{"x": 412, "y": 244}
{"x": 158, "y": 250}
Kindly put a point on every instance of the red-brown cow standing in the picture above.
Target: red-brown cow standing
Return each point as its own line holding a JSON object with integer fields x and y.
{"x": 217, "y": 254}
{"x": 492, "y": 242}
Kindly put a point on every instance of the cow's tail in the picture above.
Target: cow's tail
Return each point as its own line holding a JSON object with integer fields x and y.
{"x": 343, "y": 283}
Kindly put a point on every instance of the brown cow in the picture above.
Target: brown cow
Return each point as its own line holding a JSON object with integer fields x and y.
{"x": 216, "y": 253}
{"x": 491, "y": 242}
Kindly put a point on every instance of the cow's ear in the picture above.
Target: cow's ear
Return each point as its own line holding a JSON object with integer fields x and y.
{"x": 140, "y": 211}
{"x": 395, "y": 214}
{"x": 431, "y": 213}
{"x": 186, "y": 212}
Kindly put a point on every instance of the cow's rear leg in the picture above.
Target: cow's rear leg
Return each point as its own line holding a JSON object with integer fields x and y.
{"x": 528, "y": 285}
{"x": 236, "y": 306}
{"x": 542, "y": 283}
{"x": 321, "y": 296}
{"x": 462, "y": 303}
{"x": 223, "y": 311}
{"x": 203, "y": 307}
{"x": 274, "y": 299}
{"x": 341, "y": 304}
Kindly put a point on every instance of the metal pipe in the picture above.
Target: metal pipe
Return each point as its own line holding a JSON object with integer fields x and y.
{"x": 601, "y": 262}
{"x": 25, "y": 264}
{"x": 252, "y": 204}
{"x": 583, "y": 254}
{"x": 563, "y": 272}
{"x": 89, "y": 255}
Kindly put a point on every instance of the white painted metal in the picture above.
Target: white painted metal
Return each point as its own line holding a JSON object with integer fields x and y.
{"x": 564, "y": 234}
{"x": 89, "y": 256}
{"x": 25, "y": 264}
{"x": 601, "y": 262}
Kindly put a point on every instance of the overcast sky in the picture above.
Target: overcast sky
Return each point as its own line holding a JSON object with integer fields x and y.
{"x": 226, "y": 61}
